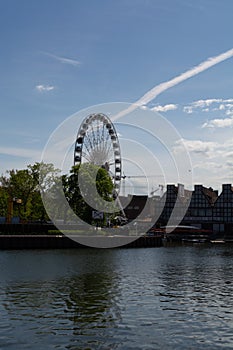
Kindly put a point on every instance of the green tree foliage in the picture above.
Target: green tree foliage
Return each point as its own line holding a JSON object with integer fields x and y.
{"x": 24, "y": 185}
{"x": 19, "y": 184}
{"x": 3, "y": 202}
{"x": 44, "y": 175}
{"x": 40, "y": 178}
{"x": 92, "y": 177}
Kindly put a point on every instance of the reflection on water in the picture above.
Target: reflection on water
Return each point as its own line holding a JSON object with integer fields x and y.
{"x": 154, "y": 298}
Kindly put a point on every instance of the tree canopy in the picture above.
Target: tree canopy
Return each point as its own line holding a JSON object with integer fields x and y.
{"x": 24, "y": 189}
{"x": 92, "y": 177}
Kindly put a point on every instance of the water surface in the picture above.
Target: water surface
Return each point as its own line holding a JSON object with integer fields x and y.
{"x": 152, "y": 298}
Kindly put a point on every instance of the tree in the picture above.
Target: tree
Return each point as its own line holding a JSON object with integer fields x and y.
{"x": 3, "y": 202}
{"x": 24, "y": 185}
{"x": 45, "y": 176}
{"x": 19, "y": 184}
{"x": 92, "y": 177}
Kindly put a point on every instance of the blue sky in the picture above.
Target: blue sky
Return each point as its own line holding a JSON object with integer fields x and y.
{"x": 59, "y": 57}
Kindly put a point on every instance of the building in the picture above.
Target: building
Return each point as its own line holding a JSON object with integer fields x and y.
{"x": 200, "y": 210}
{"x": 223, "y": 210}
{"x": 206, "y": 208}
{"x": 133, "y": 205}
{"x": 174, "y": 202}
{"x": 203, "y": 207}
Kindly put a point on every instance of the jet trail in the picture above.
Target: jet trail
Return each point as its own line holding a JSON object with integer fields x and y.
{"x": 158, "y": 89}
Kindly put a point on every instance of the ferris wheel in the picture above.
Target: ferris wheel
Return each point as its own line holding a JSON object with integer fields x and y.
{"x": 97, "y": 143}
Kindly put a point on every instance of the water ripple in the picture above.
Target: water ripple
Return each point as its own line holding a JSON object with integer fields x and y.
{"x": 179, "y": 298}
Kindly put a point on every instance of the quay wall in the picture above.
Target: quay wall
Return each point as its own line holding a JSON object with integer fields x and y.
{"x": 29, "y": 236}
{"x": 62, "y": 242}
{"x": 14, "y": 229}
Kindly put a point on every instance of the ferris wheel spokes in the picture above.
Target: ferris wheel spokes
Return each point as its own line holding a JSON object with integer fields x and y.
{"x": 97, "y": 143}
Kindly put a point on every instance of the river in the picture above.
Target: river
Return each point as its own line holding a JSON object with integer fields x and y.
{"x": 178, "y": 297}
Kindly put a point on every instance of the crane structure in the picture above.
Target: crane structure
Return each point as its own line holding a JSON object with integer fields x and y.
{"x": 160, "y": 187}
{"x": 123, "y": 176}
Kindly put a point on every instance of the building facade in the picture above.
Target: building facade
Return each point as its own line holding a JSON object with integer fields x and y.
{"x": 203, "y": 207}
{"x": 206, "y": 208}
{"x": 223, "y": 210}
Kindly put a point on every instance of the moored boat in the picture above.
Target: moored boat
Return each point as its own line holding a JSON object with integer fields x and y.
{"x": 183, "y": 233}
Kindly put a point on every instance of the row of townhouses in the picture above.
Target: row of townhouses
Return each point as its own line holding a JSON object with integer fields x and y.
{"x": 202, "y": 207}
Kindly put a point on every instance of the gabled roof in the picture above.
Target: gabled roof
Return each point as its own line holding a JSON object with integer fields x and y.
{"x": 210, "y": 194}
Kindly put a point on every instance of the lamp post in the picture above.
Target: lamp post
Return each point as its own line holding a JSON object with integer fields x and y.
{"x": 10, "y": 207}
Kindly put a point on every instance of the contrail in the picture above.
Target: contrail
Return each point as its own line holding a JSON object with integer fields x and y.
{"x": 158, "y": 89}
{"x": 63, "y": 59}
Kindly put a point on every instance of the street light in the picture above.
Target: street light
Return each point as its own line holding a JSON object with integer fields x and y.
{"x": 10, "y": 210}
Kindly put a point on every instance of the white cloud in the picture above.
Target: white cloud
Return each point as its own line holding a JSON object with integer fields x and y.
{"x": 229, "y": 109}
{"x": 64, "y": 59}
{"x": 188, "y": 109}
{"x": 20, "y": 152}
{"x": 214, "y": 150}
{"x": 202, "y": 104}
{"x": 219, "y": 123}
{"x": 165, "y": 108}
{"x": 206, "y": 103}
{"x": 214, "y": 166}
{"x": 211, "y": 161}
{"x": 44, "y": 88}
{"x": 220, "y": 104}
{"x": 229, "y": 154}
{"x": 196, "y": 146}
